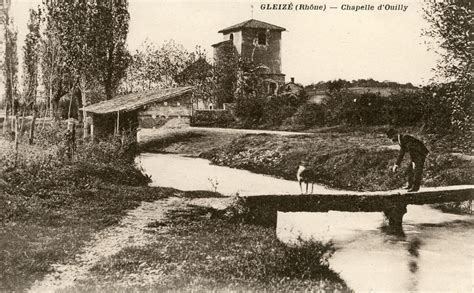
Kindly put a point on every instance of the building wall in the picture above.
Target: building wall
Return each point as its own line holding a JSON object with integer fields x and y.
{"x": 159, "y": 113}
{"x": 237, "y": 40}
{"x": 224, "y": 51}
{"x": 269, "y": 54}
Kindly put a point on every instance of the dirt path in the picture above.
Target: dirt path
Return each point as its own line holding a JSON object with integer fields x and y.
{"x": 131, "y": 231}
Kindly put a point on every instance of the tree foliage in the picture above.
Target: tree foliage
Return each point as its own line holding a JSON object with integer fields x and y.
{"x": 110, "y": 22}
{"x": 92, "y": 35}
{"x": 31, "y": 58}
{"x": 57, "y": 77}
{"x": 227, "y": 71}
{"x": 155, "y": 67}
{"x": 250, "y": 94}
{"x": 10, "y": 65}
{"x": 451, "y": 31}
{"x": 340, "y": 84}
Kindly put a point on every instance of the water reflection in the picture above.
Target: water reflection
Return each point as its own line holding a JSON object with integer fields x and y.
{"x": 433, "y": 252}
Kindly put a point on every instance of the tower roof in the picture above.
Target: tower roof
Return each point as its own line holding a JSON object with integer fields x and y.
{"x": 252, "y": 23}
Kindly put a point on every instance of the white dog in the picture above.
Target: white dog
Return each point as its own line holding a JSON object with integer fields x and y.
{"x": 305, "y": 175}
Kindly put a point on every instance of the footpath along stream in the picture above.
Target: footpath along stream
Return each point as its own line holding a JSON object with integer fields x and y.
{"x": 435, "y": 252}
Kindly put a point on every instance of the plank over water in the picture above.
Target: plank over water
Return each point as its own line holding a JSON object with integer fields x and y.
{"x": 360, "y": 201}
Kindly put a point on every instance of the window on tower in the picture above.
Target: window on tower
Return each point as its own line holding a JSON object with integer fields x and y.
{"x": 262, "y": 38}
{"x": 231, "y": 37}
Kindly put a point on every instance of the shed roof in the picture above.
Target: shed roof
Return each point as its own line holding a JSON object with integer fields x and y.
{"x": 134, "y": 101}
{"x": 252, "y": 23}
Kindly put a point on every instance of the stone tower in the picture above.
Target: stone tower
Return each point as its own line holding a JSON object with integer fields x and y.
{"x": 259, "y": 42}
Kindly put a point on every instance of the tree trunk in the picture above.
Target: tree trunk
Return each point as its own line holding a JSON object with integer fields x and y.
{"x": 32, "y": 128}
{"x": 50, "y": 101}
{"x": 83, "y": 99}
{"x": 22, "y": 121}
{"x": 69, "y": 109}
{"x": 55, "y": 108}
{"x": 45, "y": 115}
{"x": 16, "y": 134}
{"x": 5, "y": 120}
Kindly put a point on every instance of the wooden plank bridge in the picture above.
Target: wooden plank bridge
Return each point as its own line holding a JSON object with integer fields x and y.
{"x": 392, "y": 203}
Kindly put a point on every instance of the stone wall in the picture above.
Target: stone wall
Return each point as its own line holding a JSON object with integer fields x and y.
{"x": 157, "y": 114}
{"x": 268, "y": 54}
{"x": 152, "y": 123}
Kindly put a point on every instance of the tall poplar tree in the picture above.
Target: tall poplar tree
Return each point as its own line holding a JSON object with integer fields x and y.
{"x": 92, "y": 35}
{"x": 30, "y": 66}
{"x": 10, "y": 68}
{"x": 109, "y": 26}
{"x": 56, "y": 75}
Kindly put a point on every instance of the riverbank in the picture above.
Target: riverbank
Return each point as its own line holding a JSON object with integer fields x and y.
{"x": 358, "y": 160}
{"x": 54, "y": 210}
{"x": 51, "y": 207}
{"x": 192, "y": 251}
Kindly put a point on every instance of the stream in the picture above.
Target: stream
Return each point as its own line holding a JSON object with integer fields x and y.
{"x": 435, "y": 252}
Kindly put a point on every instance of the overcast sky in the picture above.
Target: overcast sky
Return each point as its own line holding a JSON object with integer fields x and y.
{"x": 318, "y": 45}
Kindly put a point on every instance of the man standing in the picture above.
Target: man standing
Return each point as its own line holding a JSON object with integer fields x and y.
{"x": 418, "y": 153}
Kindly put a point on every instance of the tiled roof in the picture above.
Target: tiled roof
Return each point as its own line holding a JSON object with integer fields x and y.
{"x": 134, "y": 101}
{"x": 222, "y": 43}
{"x": 252, "y": 23}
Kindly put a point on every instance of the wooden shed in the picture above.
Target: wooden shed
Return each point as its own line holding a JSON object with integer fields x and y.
{"x": 148, "y": 109}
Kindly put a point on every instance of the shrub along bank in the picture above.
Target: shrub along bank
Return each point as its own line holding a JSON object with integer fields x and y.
{"x": 51, "y": 205}
{"x": 359, "y": 161}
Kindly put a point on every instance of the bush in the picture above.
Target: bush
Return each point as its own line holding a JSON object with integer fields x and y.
{"x": 277, "y": 109}
{"x": 212, "y": 118}
{"x": 309, "y": 115}
{"x": 401, "y": 109}
{"x": 250, "y": 109}
{"x": 448, "y": 111}
{"x": 46, "y": 172}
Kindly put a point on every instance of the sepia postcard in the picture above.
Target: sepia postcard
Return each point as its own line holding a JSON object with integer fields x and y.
{"x": 191, "y": 145}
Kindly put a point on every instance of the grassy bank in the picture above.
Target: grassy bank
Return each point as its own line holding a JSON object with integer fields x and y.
{"x": 200, "y": 253}
{"x": 51, "y": 206}
{"x": 343, "y": 158}
{"x": 339, "y": 161}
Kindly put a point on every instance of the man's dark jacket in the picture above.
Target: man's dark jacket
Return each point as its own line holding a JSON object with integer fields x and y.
{"x": 413, "y": 146}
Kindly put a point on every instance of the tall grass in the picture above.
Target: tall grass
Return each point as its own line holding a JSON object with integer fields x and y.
{"x": 51, "y": 204}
